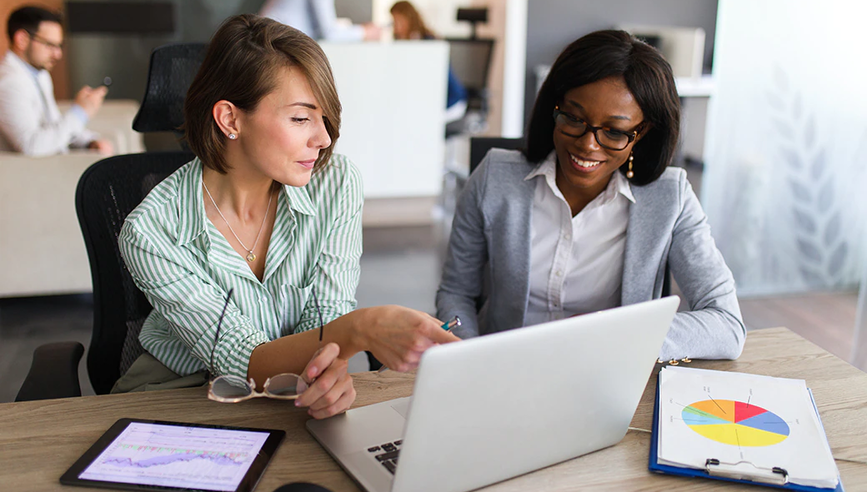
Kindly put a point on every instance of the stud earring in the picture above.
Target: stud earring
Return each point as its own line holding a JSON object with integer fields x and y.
{"x": 629, "y": 173}
{"x": 232, "y": 136}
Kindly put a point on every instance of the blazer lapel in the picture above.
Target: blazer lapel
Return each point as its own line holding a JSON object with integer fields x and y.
{"x": 643, "y": 256}
{"x": 516, "y": 208}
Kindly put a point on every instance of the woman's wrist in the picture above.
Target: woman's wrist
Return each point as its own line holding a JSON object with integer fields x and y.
{"x": 356, "y": 334}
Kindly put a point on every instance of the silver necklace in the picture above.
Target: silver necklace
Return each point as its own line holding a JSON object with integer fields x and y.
{"x": 250, "y": 255}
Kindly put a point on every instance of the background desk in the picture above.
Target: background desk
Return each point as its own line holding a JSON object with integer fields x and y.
{"x": 41, "y": 248}
{"x": 40, "y": 440}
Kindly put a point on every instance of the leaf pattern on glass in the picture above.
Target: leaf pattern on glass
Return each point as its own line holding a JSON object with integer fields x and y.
{"x": 800, "y": 191}
{"x": 819, "y": 241}
{"x": 809, "y": 251}
{"x": 838, "y": 259}
{"x": 804, "y": 221}
{"x": 832, "y": 230}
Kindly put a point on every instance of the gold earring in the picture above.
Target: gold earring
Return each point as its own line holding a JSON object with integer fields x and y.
{"x": 629, "y": 173}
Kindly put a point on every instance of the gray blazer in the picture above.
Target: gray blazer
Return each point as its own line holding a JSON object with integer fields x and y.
{"x": 490, "y": 248}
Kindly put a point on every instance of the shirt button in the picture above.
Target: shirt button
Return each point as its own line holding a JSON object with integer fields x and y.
{"x": 559, "y": 273}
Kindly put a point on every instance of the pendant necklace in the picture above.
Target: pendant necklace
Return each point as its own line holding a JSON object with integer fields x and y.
{"x": 250, "y": 255}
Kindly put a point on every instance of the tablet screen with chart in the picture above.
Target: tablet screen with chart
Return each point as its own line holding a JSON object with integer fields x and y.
{"x": 154, "y": 455}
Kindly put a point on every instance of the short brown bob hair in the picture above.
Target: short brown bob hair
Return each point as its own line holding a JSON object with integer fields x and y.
{"x": 242, "y": 64}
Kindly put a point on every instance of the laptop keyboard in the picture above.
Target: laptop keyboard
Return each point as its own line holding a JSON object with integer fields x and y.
{"x": 387, "y": 454}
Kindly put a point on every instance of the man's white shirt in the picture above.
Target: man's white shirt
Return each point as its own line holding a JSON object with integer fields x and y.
{"x": 30, "y": 121}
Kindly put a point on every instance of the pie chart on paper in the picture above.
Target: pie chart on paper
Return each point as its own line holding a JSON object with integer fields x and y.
{"x": 735, "y": 422}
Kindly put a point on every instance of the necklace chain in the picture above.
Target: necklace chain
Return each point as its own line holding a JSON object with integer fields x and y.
{"x": 250, "y": 255}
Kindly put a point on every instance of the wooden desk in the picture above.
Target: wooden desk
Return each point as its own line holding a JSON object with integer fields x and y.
{"x": 40, "y": 440}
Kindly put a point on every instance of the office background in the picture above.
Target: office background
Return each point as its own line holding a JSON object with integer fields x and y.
{"x": 781, "y": 178}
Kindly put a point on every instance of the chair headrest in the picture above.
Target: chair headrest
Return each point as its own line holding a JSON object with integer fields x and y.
{"x": 173, "y": 68}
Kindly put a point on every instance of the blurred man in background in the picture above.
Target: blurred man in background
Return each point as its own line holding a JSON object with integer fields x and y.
{"x": 30, "y": 121}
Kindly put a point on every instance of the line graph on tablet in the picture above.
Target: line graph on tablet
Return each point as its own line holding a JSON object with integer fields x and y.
{"x": 177, "y": 456}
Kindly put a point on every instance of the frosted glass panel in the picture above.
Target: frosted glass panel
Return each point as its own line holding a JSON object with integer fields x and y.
{"x": 786, "y": 140}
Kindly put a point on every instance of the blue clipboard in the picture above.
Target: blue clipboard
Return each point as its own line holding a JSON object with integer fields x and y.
{"x": 692, "y": 472}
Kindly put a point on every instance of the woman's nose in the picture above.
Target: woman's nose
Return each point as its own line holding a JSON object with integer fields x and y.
{"x": 588, "y": 141}
{"x": 321, "y": 139}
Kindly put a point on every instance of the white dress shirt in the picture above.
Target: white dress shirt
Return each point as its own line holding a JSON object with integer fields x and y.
{"x": 576, "y": 263}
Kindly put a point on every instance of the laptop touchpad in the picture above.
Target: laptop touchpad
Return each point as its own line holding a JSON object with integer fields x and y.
{"x": 401, "y": 406}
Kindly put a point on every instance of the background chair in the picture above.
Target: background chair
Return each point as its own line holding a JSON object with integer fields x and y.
{"x": 107, "y": 192}
{"x": 470, "y": 61}
{"x": 479, "y": 147}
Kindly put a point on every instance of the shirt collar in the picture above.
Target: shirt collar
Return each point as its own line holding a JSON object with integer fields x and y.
{"x": 622, "y": 185}
{"x": 299, "y": 199}
{"x": 548, "y": 169}
{"x": 30, "y": 68}
{"x": 192, "y": 218}
{"x": 191, "y": 212}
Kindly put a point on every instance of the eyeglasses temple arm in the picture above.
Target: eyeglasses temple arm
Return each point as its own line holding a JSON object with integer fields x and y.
{"x": 219, "y": 324}
{"x": 319, "y": 312}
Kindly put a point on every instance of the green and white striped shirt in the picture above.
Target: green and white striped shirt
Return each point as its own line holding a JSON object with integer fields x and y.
{"x": 185, "y": 267}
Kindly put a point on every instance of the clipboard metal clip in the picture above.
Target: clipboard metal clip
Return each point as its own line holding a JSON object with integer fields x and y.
{"x": 744, "y": 470}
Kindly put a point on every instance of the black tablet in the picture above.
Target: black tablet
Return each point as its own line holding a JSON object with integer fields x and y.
{"x": 152, "y": 455}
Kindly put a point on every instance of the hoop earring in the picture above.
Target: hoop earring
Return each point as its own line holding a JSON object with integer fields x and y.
{"x": 629, "y": 173}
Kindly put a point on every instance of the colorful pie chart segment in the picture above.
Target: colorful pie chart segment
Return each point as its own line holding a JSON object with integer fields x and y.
{"x": 735, "y": 422}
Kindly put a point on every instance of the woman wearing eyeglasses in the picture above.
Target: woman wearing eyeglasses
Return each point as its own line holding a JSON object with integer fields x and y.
{"x": 265, "y": 211}
{"x": 588, "y": 216}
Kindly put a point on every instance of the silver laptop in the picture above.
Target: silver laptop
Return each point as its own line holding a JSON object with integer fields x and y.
{"x": 494, "y": 407}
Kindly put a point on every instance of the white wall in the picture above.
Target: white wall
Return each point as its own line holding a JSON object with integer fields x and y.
{"x": 393, "y": 121}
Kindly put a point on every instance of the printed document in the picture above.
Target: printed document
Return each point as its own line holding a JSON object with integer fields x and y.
{"x": 742, "y": 420}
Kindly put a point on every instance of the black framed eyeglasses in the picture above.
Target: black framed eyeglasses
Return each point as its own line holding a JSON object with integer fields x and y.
{"x": 45, "y": 42}
{"x": 609, "y": 138}
{"x": 234, "y": 389}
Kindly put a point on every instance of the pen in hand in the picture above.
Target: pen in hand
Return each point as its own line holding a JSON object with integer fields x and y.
{"x": 452, "y": 324}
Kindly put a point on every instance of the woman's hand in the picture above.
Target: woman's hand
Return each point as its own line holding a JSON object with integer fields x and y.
{"x": 398, "y": 336}
{"x": 330, "y": 391}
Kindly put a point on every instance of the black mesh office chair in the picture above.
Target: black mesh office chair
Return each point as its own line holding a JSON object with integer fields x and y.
{"x": 479, "y": 147}
{"x": 107, "y": 192}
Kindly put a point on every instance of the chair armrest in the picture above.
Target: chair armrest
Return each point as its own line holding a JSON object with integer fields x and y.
{"x": 53, "y": 373}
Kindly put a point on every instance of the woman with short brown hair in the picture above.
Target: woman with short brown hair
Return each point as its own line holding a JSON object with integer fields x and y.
{"x": 265, "y": 211}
